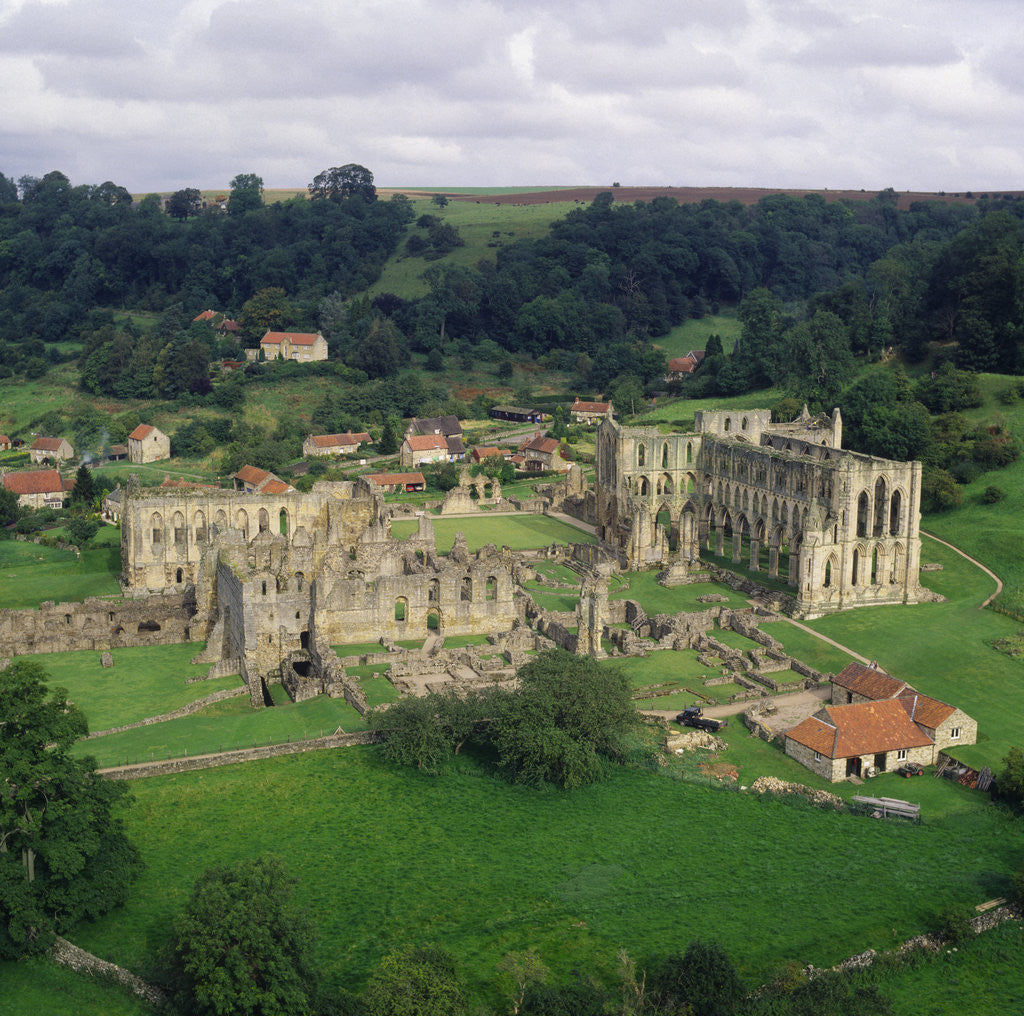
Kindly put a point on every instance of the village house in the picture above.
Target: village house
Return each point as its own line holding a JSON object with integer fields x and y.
{"x": 259, "y": 481}
{"x": 859, "y": 683}
{"x": 117, "y": 452}
{"x": 680, "y": 367}
{"x": 589, "y": 412}
{"x": 393, "y": 483}
{"x": 54, "y": 449}
{"x": 112, "y": 505}
{"x": 38, "y": 488}
{"x": 217, "y": 320}
{"x": 333, "y": 444}
{"x": 419, "y": 448}
{"x": 517, "y": 414}
{"x": 449, "y": 426}
{"x": 487, "y": 451}
{"x": 5, "y": 443}
{"x": 542, "y": 453}
{"x": 148, "y": 444}
{"x": 303, "y": 347}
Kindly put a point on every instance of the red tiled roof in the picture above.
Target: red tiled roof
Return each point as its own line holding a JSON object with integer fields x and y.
{"x": 47, "y": 444}
{"x": 547, "y": 445}
{"x": 276, "y": 486}
{"x": 206, "y": 315}
{"x": 485, "y": 452}
{"x": 295, "y": 338}
{"x": 4, "y": 439}
{"x": 682, "y": 365}
{"x": 590, "y": 407}
{"x": 250, "y": 474}
{"x": 861, "y": 729}
{"x": 927, "y": 711}
{"x": 426, "y": 442}
{"x": 143, "y": 430}
{"x": 229, "y": 325}
{"x": 869, "y": 682}
{"x": 334, "y": 440}
{"x": 34, "y": 481}
{"x": 389, "y": 479}
{"x": 697, "y": 354}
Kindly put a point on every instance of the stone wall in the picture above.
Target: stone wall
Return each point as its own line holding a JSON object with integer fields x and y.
{"x": 69, "y": 955}
{"x": 97, "y": 624}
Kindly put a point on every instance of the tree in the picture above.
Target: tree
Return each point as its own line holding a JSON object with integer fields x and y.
{"x": 380, "y": 353}
{"x": 84, "y": 489}
{"x": 268, "y": 308}
{"x": 416, "y": 982}
{"x": 626, "y": 393}
{"x": 388, "y": 443}
{"x": 567, "y": 715}
{"x": 246, "y": 194}
{"x": 340, "y": 182}
{"x": 1011, "y": 780}
{"x": 63, "y": 854}
{"x": 183, "y": 203}
{"x": 241, "y": 947}
{"x": 81, "y": 530}
{"x": 9, "y": 509}
{"x": 703, "y": 978}
{"x": 440, "y": 200}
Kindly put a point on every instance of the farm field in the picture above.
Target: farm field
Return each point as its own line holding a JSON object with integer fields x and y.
{"x": 500, "y": 868}
{"x": 144, "y": 681}
{"x": 31, "y": 573}
{"x": 520, "y": 532}
{"x": 40, "y": 986}
{"x": 693, "y": 334}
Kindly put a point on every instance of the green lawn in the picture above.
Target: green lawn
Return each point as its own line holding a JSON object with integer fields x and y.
{"x": 655, "y": 599}
{"x": 520, "y": 532}
{"x": 224, "y": 726}
{"x": 679, "y": 412}
{"x": 41, "y": 986}
{"x": 385, "y": 856}
{"x": 31, "y": 573}
{"x": 144, "y": 681}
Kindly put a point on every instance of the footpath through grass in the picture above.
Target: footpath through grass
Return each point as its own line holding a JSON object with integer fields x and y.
{"x": 31, "y": 574}
{"x": 386, "y": 857}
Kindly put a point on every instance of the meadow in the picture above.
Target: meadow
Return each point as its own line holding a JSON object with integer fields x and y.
{"x": 386, "y": 857}
{"x": 31, "y": 574}
{"x": 694, "y": 333}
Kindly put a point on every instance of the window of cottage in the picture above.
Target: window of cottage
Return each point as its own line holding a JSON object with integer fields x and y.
{"x": 955, "y": 734}
{"x": 901, "y": 755}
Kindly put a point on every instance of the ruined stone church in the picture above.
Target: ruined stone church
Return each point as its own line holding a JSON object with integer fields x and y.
{"x": 839, "y": 527}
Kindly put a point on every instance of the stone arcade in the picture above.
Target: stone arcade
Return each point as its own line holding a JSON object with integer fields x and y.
{"x": 840, "y": 527}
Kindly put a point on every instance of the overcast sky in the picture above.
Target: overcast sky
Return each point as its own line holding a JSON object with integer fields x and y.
{"x": 161, "y": 94}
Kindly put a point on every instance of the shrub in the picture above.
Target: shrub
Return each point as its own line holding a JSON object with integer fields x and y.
{"x": 993, "y": 494}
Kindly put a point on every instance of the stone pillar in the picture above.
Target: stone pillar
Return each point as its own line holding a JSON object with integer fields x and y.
{"x": 720, "y": 541}
{"x": 773, "y": 561}
{"x": 755, "y": 550}
{"x": 737, "y": 546}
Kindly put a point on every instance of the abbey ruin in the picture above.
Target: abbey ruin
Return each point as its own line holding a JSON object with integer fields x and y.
{"x": 839, "y": 527}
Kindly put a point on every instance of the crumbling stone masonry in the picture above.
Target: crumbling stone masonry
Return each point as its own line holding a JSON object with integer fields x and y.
{"x": 840, "y": 527}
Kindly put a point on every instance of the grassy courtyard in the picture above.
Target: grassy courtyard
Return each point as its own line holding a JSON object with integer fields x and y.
{"x": 520, "y": 532}
{"x": 31, "y": 574}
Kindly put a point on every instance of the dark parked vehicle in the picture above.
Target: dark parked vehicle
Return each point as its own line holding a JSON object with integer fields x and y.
{"x": 692, "y": 716}
{"x": 909, "y": 769}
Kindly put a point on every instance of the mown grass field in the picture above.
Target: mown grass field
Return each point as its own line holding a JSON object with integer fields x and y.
{"x": 144, "y": 681}
{"x": 520, "y": 532}
{"x": 40, "y": 986}
{"x": 385, "y": 857}
{"x": 31, "y": 573}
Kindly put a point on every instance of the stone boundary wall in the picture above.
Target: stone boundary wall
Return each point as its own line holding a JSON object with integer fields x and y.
{"x": 68, "y": 955}
{"x": 57, "y": 544}
{"x": 185, "y": 710}
{"x": 222, "y": 668}
{"x": 226, "y": 758}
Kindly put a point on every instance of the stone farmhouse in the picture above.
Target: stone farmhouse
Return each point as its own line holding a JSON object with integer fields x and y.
{"x": 839, "y": 527}
{"x": 303, "y": 347}
{"x": 258, "y": 481}
{"x": 876, "y": 721}
{"x": 589, "y": 412}
{"x": 393, "y": 483}
{"x": 148, "y": 444}
{"x": 54, "y": 449}
{"x": 38, "y": 488}
{"x": 333, "y": 444}
{"x": 680, "y": 367}
{"x": 5, "y": 443}
{"x": 540, "y": 453}
{"x": 419, "y": 448}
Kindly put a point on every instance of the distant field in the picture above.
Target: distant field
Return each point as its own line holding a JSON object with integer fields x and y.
{"x": 693, "y": 334}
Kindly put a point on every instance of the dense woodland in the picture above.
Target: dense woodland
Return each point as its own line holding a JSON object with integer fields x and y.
{"x": 821, "y": 287}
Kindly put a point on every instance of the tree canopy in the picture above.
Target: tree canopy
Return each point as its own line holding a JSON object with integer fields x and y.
{"x": 340, "y": 182}
{"x": 63, "y": 852}
{"x": 241, "y": 947}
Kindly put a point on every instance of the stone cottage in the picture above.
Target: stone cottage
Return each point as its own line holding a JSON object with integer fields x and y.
{"x": 148, "y": 444}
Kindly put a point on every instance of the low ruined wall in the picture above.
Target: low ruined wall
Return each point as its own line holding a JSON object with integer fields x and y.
{"x": 69, "y": 955}
{"x": 186, "y": 710}
{"x": 226, "y": 758}
{"x": 97, "y": 624}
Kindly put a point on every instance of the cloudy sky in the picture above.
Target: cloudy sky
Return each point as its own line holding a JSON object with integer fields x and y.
{"x": 161, "y": 94}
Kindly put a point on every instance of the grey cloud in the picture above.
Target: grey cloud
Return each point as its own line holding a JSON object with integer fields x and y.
{"x": 879, "y": 42}
{"x": 85, "y": 30}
